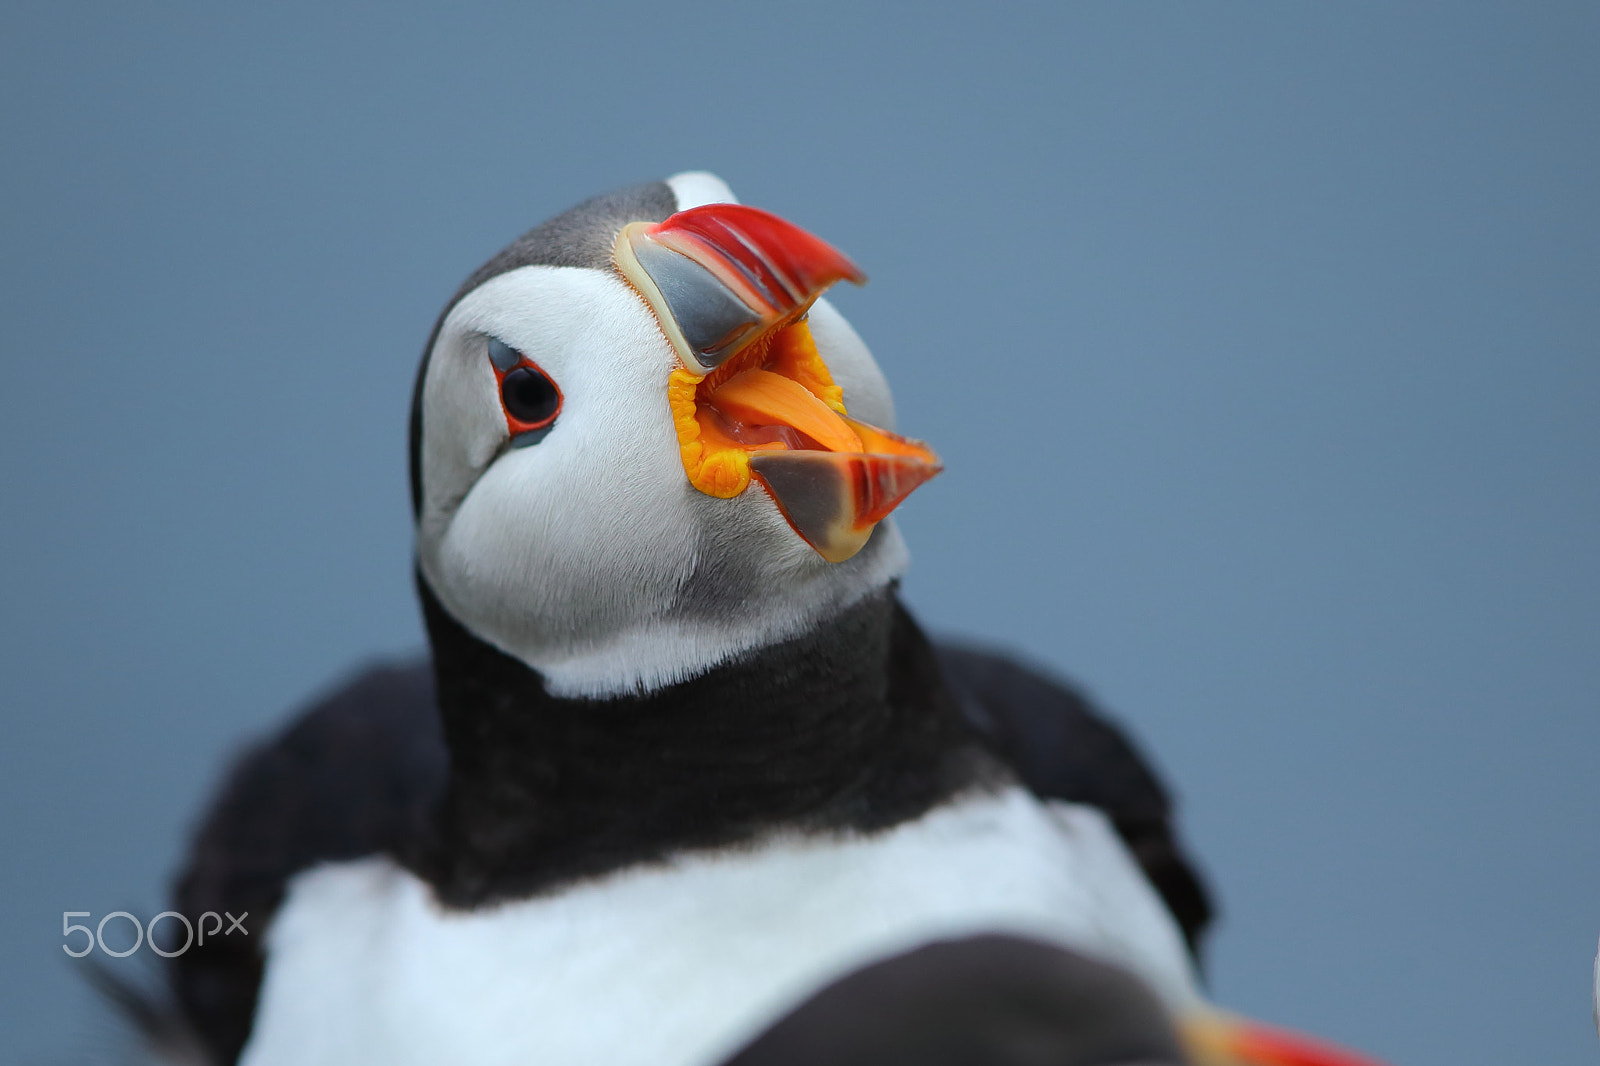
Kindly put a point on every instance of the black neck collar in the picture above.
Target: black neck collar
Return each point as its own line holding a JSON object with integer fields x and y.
{"x": 849, "y": 726}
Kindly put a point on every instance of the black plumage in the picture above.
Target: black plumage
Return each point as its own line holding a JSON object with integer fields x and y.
{"x": 847, "y": 726}
{"x": 358, "y": 773}
{"x": 533, "y": 792}
{"x": 978, "y": 1001}
{"x": 1063, "y": 748}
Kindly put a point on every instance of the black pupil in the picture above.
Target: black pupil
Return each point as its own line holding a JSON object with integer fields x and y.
{"x": 529, "y": 396}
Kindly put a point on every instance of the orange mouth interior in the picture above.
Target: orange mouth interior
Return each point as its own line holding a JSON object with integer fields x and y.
{"x": 776, "y": 395}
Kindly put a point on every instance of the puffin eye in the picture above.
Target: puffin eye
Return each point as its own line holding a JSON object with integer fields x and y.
{"x": 530, "y": 399}
{"x": 529, "y": 396}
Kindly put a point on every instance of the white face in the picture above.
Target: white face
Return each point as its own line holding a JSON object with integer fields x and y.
{"x": 589, "y": 555}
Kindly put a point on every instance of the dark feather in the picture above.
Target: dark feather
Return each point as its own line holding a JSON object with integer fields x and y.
{"x": 994, "y": 1000}
{"x": 355, "y": 775}
{"x": 1063, "y": 748}
{"x": 847, "y": 726}
{"x": 364, "y": 772}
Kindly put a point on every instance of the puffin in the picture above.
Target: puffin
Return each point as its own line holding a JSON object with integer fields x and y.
{"x": 678, "y": 758}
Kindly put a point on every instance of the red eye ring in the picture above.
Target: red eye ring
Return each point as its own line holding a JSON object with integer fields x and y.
{"x": 530, "y": 398}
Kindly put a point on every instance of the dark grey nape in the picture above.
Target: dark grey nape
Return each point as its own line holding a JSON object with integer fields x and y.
{"x": 982, "y": 1001}
{"x": 581, "y": 236}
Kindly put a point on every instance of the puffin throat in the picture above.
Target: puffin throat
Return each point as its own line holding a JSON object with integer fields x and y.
{"x": 752, "y": 398}
{"x": 849, "y": 726}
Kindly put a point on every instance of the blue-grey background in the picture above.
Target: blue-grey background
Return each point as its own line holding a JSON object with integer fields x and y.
{"x": 1259, "y": 339}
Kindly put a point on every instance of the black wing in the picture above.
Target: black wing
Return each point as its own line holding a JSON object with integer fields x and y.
{"x": 355, "y": 775}
{"x": 989, "y": 999}
{"x": 1063, "y": 748}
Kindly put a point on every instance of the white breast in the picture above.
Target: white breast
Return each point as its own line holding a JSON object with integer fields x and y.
{"x": 678, "y": 964}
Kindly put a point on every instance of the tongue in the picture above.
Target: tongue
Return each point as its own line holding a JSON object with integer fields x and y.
{"x": 762, "y": 398}
{"x": 833, "y": 478}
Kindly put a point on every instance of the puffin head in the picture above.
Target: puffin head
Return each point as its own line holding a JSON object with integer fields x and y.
{"x": 643, "y": 444}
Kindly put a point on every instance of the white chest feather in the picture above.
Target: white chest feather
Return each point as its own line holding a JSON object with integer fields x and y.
{"x": 678, "y": 964}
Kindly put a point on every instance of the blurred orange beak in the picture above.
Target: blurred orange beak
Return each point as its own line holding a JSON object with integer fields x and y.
{"x": 752, "y": 398}
{"x": 1217, "y": 1039}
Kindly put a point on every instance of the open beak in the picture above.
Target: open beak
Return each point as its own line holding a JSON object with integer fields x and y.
{"x": 1213, "y": 1038}
{"x": 752, "y": 398}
